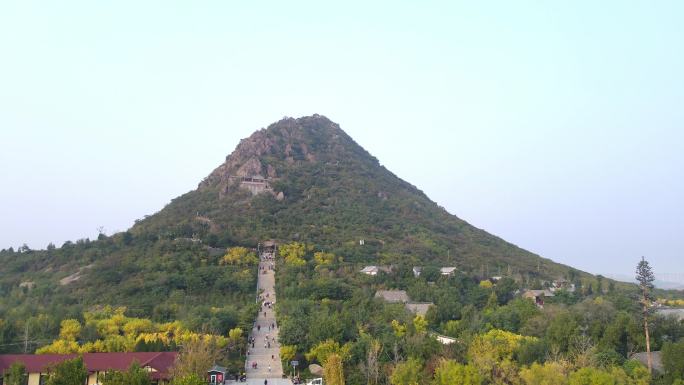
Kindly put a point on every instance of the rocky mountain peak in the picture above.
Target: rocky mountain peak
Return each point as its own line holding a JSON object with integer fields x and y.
{"x": 284, "y": 143}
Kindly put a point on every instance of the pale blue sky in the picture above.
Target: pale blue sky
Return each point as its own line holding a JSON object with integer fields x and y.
{"x": 558, "y": 126}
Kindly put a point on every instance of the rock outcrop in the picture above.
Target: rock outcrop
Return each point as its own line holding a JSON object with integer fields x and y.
{"x": 254, "y": 163}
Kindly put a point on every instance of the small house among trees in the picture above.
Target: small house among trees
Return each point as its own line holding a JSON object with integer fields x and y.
{"x": 38, "y": 366}
{"x": 393, "y": 296}
{"x": 562, "y": 284}
{"x": 374, "y": 270}
{"x": 537, "y": 296}
{"x": 216, "y": 375}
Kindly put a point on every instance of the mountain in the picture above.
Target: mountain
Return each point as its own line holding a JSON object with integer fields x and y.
{"x": 305, "y": 179}
{"x": 299, "y": 180}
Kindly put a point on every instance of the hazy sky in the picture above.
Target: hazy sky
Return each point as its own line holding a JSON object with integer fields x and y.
{"x": 558, "y": 126}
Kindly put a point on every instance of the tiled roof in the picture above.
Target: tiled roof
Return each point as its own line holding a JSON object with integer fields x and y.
{"x": 95, "y": 362}
{"x": 392, "y": 295}
{"x": 217, "y": 368}
{"x": 419, "y": 308}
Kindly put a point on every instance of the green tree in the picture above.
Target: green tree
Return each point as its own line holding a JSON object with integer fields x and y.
{"x": 69, "y": 372}
{"x": 15, "y": 374}
{"x": 673, "y": 359}
{"x": 407, "y": 372}
{"x": 591, "y": 376}
{"x": 614, "y": 376}
{"x": 452, "y": 328}
{"x": 135, "y": 375}
{"x": 189, "y": 379}
{"x": 645, "y": 277}
{"x": 561, "y": 331}
{"x": 333, "y": 370}
{"x": 550, "y": 373}
{"x": 492, "y": 301}
{"x": 430, "y": 273}
{"x": 114, "y": 377}
{"x": 450, "y": 372}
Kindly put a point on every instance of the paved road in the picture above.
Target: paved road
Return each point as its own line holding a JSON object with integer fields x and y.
{"x": 266, "y": 348}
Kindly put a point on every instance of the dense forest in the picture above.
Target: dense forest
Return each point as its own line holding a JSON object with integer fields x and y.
{"x": 582, "y": 337}
{"x": 163, "y": 281}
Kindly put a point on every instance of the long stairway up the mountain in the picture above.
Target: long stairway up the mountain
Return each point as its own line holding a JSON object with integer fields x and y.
{"x": 263, "y": 357}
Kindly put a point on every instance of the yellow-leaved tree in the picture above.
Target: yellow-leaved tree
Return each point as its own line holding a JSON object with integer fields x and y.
{"x": 492, "y": 354}
{"x": 333, "y": 370}
{"x": 326, "y": 259}
{"x": 235, "y": 339}
{"x": 450, "y": 372}
{"x": 69, "y": 330}
{"x": 550, "y": 373}
{"x": 407, "y": 373}
{"x": 240, "y": 256}
{"x": 323, "y": 350}
{"x": 399, "y": 329}
{"x": 420, "y": 324}
{"x": 287, "y": 353}
{"x": 294, "y": 253}
{"x": 118, "y": 333}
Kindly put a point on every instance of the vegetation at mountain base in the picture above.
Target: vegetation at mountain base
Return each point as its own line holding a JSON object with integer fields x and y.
{"x": 68, "y": 372}
{"x": 135, "y": 375}
{"x": 109, "y": 330}
{"x": 185, "y": 277}
{"x": 195, "y": 358}
{"x": 15, "y": 375}
{"x": 162, "y": 285}
{"x": 581, "y": 337}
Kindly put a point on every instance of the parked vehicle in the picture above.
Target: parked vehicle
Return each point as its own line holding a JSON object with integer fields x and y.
{"x": 315, "y": 381}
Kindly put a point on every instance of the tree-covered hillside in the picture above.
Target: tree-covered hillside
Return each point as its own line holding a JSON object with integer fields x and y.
{"x": 157, "y": 279}
{"x": 328, "y": 191}
{"x": 320, "y": 187}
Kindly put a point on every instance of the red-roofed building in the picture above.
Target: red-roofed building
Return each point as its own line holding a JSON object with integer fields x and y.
{"x": 158, "y": 364}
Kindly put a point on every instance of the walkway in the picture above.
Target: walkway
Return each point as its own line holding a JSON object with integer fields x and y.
{"x": 264, "y": 348}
